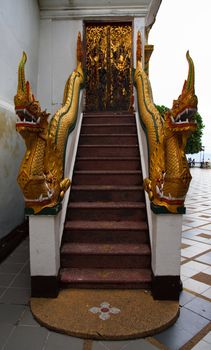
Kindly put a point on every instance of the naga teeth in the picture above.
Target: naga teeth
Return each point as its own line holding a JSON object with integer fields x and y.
{"x": 49, "y": 194}
{"x": 172, "y": 119}
{"x": 38, "y": 120}
{"x": 158, "y": 191}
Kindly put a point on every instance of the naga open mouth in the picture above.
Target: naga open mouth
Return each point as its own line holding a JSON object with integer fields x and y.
{"x": 185, "y": 117}
{"x": 26, "y": 118}
{"x": 169, "y": 199}
{"x": 42, "y": 198}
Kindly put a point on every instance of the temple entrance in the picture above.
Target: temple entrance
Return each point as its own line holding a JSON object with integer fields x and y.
{"x": 108, "y": 66}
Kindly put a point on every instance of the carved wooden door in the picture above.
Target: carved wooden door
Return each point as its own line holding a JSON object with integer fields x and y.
{"x": 108, "y": 67}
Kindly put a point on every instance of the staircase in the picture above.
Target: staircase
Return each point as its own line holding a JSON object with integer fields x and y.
{"x": 105, "y": 240}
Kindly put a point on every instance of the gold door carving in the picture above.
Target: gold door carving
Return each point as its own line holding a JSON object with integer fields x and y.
{"x": 108, "y": 67}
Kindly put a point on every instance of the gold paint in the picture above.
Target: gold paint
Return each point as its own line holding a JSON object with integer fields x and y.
{"x": 138, "y": 48}
{"x": 79, "y": 49}
{"x": 169, "y": 174}
{"x": 109, "y": 67}
{"x": 41, "y": 174}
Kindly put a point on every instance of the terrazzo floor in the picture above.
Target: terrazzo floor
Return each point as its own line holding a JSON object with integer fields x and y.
{"x": 192, "y": 330}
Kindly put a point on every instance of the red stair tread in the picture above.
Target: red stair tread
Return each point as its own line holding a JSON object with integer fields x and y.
{"x": 107, "y": 187}
{"x": 106, "y": 225}
{"x": 109, "y": 146}
{"x": 68, "y": 275}
{"x": 106, "y": 205}
{"x": 105, "y": 135}
{"x": 119, "y": 113}
{"x": 109, "y": 124}
{"x": 106, "y": 248}
{"x": 105, "y": 172}
{"x": 108, "y": 158}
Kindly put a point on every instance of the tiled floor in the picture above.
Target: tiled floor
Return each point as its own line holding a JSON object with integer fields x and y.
{"x": 18, "y": 329}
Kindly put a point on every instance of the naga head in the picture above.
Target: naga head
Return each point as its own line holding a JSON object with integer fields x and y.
{"x": 180, "y": 117}
{"x": 167, "y": 189}
{"x": 178, "y": 126}
{"x": 27, "y": 108}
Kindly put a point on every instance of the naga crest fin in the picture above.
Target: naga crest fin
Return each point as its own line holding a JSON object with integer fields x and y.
{"x": 187, "y": 100}
{"x": 79, "y": 49}
{"x": 191, "y": 73}
{"x": 21, "y": 74}
{"x": 138, "y": 48}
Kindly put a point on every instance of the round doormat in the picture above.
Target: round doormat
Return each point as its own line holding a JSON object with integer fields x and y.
{"x": 105, "y": 314}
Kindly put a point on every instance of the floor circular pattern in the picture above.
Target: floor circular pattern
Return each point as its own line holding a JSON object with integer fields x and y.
{"x": 105, "y": 314}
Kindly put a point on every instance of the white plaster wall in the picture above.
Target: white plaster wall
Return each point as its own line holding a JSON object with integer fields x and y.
{"x": 12, "y": 149}
{"x": 166, "y": 244}
{"x": 19, "y": 30}
{"x": 57, "y": 59}
{"x": 44, "y": 245}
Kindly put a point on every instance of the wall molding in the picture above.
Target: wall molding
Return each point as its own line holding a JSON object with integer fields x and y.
{"x": 83, "y": 13}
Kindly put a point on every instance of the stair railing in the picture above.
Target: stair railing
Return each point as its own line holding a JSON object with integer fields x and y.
{"x": 162, "y": 140}
{"x": 46, "y": 171}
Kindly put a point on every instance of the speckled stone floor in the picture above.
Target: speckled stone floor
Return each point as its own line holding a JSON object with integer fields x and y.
{"x": 192, "y": 330}
{"x": 105, "y": 314}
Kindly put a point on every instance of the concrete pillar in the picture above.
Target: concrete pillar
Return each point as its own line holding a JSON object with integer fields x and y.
{"x": 44, "y": 254}
{"x": 166, "y": 247}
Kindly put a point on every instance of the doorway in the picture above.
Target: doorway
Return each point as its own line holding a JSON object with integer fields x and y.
{"x": 108, "y": 66}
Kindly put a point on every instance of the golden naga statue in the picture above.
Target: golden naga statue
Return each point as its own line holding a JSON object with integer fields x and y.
{"x": 41, "y": 174}
{"x": 169, "y": 175}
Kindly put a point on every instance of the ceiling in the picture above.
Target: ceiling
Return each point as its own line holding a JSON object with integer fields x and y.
{"x": 95, "y": 8}
{"x": 91, "y": 3}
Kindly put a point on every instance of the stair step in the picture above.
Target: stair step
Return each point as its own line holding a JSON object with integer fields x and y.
{"x": 108, "y": 255}
{"x": 92, "y": 193}
{"x": 105, "y": 231}
{"x": 106, "y": 278}
{"x": 115, "y": 211}
{"x": 117, "y": 114}
{"x": 107, "y": 177}
{"x": 117, "y": 119}
{"x": 105, "y": 242}
{"x": 108, "y": 150}
{"x": 103, "y": 163}
{"x": 106, "y": 225}
{"x": 108, "y": 139}
{"x": 100, "y": 129}
{"x": 105, "y": 249}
